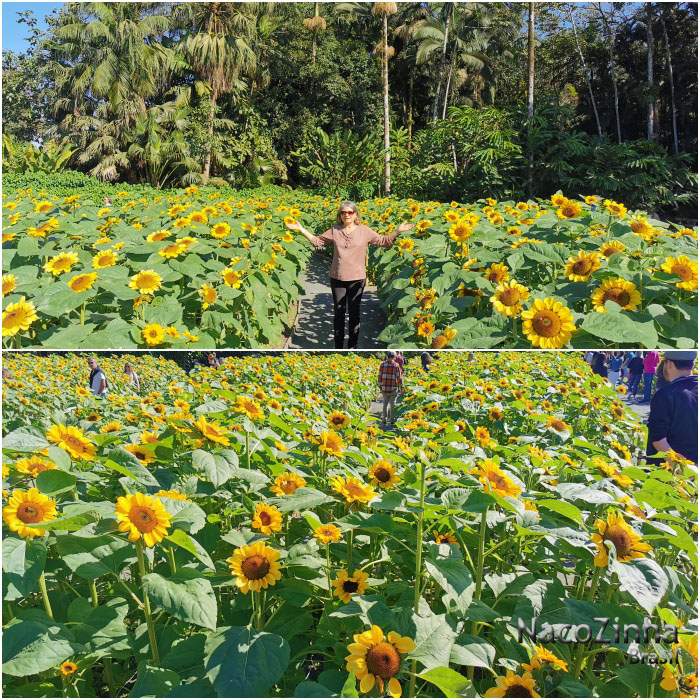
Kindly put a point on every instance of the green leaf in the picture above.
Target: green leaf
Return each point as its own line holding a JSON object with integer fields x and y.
{"x": 186, "y": 595}
{"x": 568, "y": 510}
{"x": 33, "y": 646}
{"x": 216, "y": 466}
{"x": 451, "y": 574}
{"x": 189, "y": 544}
{"x": 241, "y": 662}
{"x": 92, "y": 557}
{"x": 434, "y": 639}
{"x": 638, "y": 677}
{"x": 68, "y": 523}
{"x": 152, "y": 681}
{"x": 23, "y": 440}
{"x": 451, "y": 683}
{"x": 302, "y": 499}
{"x": 55, "y": 481}
{"x": 620, "y": 328}
{"x": 22, "y": 563}
{"x": 643, "y": 579}
{"x": 128, "y": 465}
{"x": 469, "y": 650}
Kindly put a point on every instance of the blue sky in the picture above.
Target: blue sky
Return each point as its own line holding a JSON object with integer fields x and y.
{"x": 14, "y": 35}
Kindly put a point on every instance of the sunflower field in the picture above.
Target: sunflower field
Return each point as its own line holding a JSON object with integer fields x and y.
{"x": 251, "y": 531}
{"x": 193, "y": 268}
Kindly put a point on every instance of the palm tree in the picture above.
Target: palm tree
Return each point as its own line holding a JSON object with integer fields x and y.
{"x": 217, "y": 45}
{"x": 315, "y": 25}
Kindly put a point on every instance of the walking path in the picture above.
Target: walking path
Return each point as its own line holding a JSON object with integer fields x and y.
{"x": 314, "y": 325}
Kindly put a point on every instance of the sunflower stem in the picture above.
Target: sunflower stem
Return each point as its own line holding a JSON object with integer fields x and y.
{"x": 45, "y": 595}
{"x": 171, "y": 560}
{"x": 82, "y": 314}
{"x": 93, "y": 594}
{"x": 350, "y": 538}
{"x": 147, "y": 605}
{"x": 247, "y": 449}
{"x": 328, "y": 570}
{"x": 419, "y": 566}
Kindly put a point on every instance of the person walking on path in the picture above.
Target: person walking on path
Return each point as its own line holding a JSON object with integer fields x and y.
{"x": 598, "y": 364}
{"x": 350, "y": 239}
{"x": 97, "y": 379}
{"x": 425, "y": 360}
{"x": 614, "y": 367}
{"x": 651, "y": 359}
{"x": 636, "y": 368}
{"x": 673, "y": 414}
{"x": 132, "y": 377}
{"x": 390, "y": 383}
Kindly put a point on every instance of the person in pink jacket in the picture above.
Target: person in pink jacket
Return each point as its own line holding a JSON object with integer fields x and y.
{"x": 349, "y": 238}
{"x": 651, "y": 359}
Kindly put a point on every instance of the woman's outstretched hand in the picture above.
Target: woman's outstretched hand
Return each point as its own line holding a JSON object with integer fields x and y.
{"x": 402, "y": 228}
{"x": 295, "y": 226}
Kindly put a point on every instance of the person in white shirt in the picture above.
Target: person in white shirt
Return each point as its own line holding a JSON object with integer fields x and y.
{"x": 97, "y": 380}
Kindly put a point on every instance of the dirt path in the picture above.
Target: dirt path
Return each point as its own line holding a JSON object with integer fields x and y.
{"x": 314, "y": 325}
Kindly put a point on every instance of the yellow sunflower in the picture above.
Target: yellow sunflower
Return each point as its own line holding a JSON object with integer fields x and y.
{"x": 83, "y": 282}
{"x": 383, "y": 474}
{"x": 18, "y": 317}
{"x": 220, "y": 230}
{"x": 338, "y": 419}
{"x": 28, "y": 508}
{"x": 623, "y": 292}
{"x": 63, "y": 262}
{"x": 328, "y": 533}
{"x": 580, "y": 267}
{"x": 444, "y": 538}
{"x": 142, "y": 517}
{"x": 513, "y": 686}
{"x": 543, "y": 658}
{"x": 508, "y": 298}
{"x": 628, "y": 544}
{"x": 106, "y": 258}
{"x": 34, "y": 465}
{"x": 255, "y": 566}
{"x": 267, "y": 519}
{"x": 548, "y": 324}
{"x": 331, "y": 443}
{"x": 375, "y": 659}
{"x": 460, "y": 231}
{"x": 685, "y": 268}
{"x": 207, "y": 294}
{"x": 347, "y": 585}
{"x": 146, "y": 282}
{"x": 495, "y": 480}
{"x": 611, "y": 248}
{"x": 497, "y": 273}
{"x": 153, "y": 334}
{"x": 250, "y": 408}
{"x": 569, "y": 209}
{"x": 9, "y": 284}
{"x": 212, "y": 431}
{"x": 287, "y": 483}
{"x": 232, "y": 278}
{"x": 72, "y": 440}
{"x": 352, "y": 489}
{"x": 68, "y": 668}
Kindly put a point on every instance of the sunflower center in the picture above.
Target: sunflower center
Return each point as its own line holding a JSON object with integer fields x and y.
{"x": 518, "y": 691}
{"x": 510, "y": 297}
{"x": 29, "y": 514}
{"x": 619, "y": 296}
{"x": 354, "y": 489}
{"x": 143, "y": 518}
{"x": 265, "y": 518}
{"x": 621, "y": 540}
{"x": 382, "y": 474}
{"x": 255, "y": 567}
{"x": 288, "y": 487}
{"x": 683, "y": 271}
{"x": 383, "y": 660}
{"x": 546, "y": 324}
{"x": 350, "y": 586}
{"x": 582, "y": 267}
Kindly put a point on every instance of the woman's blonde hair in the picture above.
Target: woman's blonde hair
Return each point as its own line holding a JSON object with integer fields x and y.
{"x": 344, "y": 205}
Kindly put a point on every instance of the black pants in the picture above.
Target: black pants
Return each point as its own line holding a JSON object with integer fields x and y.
{"x": 346, "y": 295}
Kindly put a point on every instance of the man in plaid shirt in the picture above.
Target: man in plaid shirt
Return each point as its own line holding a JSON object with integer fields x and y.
{"x": 390, "y": 382}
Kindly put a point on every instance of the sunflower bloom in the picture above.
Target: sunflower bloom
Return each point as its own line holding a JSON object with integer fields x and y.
{"x": 611, "y": 248}
{"x": 255, "y": 566}
{"x": 207, "y": 294}
{"x": 63, "y": 262}
{"x": 628, "y": 544}
{"x": 383, "y": 474}
{"x": 460, "y": 231}
{"x": 497, "y": 273}
{"x": 347, "y": 585}
{"x": 543, "y": 658}
{"x": 338, "y": 419}
{"x": 232, "y": 278}
{"x": 9, "y": 284}
{"x": 580, "y": 267}
{"x": 249, "y": 407}
{"x": 375, "y": 659}
{"x": 623, "y": 292}
{"x": 146, "y": 282}
{"x": 104, "y": 259}
{"x": 212, "y": 431}
{"x": 495, "y": 480}
{"x": 286, "y": 484}
{"x": 83, "y": 282}
{"x": 68, "y": 668}
{"x": 684, "y": 268}
{"x": 331, "y": 443}
{"x": 513, "y": 686}
{"x": 33, "y": 466}
{"x": 569, "y": 209}
{"x": 26, "y": 508}
{"x": 142, "y": 517}
{"x": 18, "y": 317}
{"x": 220, "y": 230}
{"x": 72, "y": 440}
{"x": 267, "y": 519}
{"x": 352, "y": 489}
{"x": 153, "y": 334}
{"x": 328, "y": 533}
{"x": 508, "y": 298}
{"x": 548, "y": 324}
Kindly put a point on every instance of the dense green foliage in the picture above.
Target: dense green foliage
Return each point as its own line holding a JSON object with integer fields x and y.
{"x": 251, "y": 94}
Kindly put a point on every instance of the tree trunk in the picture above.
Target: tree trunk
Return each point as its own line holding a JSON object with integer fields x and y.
{"x": 530, "y": 90}
{"x": 447, "y": 90}
{"x": 586, "y": 73}
{"x": 210, "y": 137}
{"x": 650, "y": 73}
{"x": 387, "y": 137}
{"x": 611, "y": 57}
{"x": 669, "y": 63}
{"x": 443, "y": 59}
{"x": 313, "y": 41}
{"x": 409, "y": 119}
